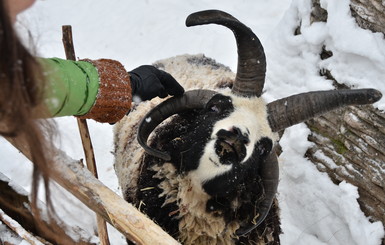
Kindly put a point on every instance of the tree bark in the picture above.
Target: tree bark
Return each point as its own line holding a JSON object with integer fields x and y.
{"x": 349, "y": 146}
{"x": 349, "y": 143}
{"x": 369, "y": 14}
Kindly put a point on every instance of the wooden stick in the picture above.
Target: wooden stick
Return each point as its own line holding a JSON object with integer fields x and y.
{"x": 19, "y": 230}
{"x": 72, "y": 176}
{"x": 85, "y": 135}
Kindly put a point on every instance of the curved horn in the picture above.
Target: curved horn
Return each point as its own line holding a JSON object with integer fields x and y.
{"x": 251, "y": 69}
{"x": 270, "y": 178}
{"x": 193, "y": 99}
{"x": 289, "y": 111}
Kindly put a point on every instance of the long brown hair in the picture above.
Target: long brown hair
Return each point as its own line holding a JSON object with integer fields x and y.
{"x": 21, "y": 83}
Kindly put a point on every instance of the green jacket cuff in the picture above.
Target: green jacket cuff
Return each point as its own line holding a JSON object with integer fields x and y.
{"x": 70, "y": 87}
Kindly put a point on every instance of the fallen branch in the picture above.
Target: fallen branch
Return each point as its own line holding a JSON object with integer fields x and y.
{"x": 15, "y": 203}
{"x": 19, "y": 230}
{"x": 71, "y": 175}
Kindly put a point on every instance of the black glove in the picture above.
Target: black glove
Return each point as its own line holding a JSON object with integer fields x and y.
{"x": 148, "y": 82}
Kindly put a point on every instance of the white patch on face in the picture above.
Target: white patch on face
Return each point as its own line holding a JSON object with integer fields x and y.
{"x": 209, "y": 165}
{"x": 250, "y": 116}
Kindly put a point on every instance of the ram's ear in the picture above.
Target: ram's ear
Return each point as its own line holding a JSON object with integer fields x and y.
{"x": 264, "y": 146}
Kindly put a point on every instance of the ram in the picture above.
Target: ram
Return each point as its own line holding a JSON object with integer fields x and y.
{"x": 204, "y": 165}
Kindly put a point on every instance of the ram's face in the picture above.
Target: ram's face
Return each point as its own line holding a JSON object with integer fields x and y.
{"x": 231, "y": 134}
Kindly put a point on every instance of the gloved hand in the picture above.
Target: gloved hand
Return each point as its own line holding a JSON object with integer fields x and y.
{"x": 148, "y": 82}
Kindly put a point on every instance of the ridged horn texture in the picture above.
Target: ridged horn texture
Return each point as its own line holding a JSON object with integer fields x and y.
{"x": 251, "y": 70}
{"x": 194, "y": 99}
{"x": 269, "y": 176}
{"x": 291, "y": 110}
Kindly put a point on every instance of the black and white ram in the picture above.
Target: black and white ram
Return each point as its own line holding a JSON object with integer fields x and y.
{"x": 210, "y": 174}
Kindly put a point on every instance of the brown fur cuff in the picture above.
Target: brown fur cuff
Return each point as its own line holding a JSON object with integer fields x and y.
{"x": 114, "y": 97}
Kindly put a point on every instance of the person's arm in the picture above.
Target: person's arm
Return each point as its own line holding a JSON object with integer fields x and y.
{"x": 101, "y": 89}
{"x": 98, "y": 89}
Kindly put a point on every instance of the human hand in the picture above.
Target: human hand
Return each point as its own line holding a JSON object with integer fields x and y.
{"x": 148, "y": 82}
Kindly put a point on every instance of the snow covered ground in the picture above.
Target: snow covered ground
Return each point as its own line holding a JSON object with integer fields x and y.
{"x": 313, "y": 209}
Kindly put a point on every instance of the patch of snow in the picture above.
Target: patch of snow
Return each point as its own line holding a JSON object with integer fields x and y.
{"x": 313, "y": 209}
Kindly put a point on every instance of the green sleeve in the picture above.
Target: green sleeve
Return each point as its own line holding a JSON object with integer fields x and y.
{"x": 70, "y": 87}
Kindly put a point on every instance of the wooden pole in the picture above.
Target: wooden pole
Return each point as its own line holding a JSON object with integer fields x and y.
{"x": 72, "y": 176}
{"x": 85, "y": 135}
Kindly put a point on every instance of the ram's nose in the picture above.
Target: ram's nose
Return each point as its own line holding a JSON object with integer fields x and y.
{"x": 231, "y": 145}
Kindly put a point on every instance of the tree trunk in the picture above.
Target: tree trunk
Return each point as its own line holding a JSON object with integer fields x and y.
{"x": 369, "y": 14}
{"x": 349, "y": 146}
{"x": 349, "y": 143}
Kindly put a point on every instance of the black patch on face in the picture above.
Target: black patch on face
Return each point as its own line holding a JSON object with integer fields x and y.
{"x": 190, "y": 131}
{"x": 241, "y": 183}
{"x": 264, "y": 147}
{"x": 231, "y": 145}
{"x": 226, "y": 183}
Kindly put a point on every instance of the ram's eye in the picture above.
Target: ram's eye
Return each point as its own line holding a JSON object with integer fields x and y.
{"x": 214, "y": 108}
{"x": 220, "y": 104}
{"x": 264, "y": 146}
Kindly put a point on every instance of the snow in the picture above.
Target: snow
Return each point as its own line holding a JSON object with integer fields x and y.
{"x": 313, "y": 209}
